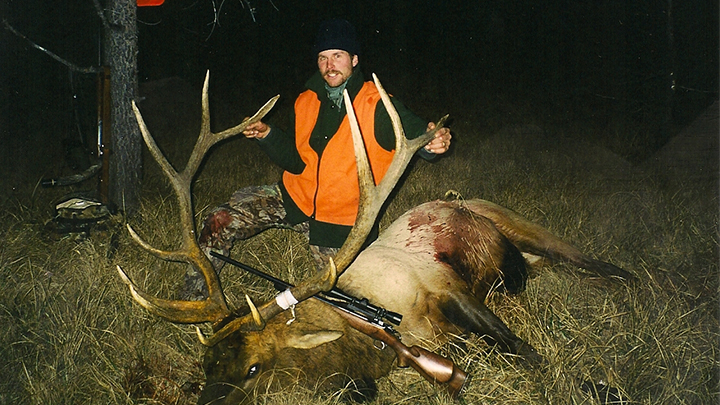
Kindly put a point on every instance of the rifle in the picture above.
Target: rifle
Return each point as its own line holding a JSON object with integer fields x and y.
{"x": 335, "y": 297}
{"x": 103, "y": 133}
{"x": 370, "y": 320}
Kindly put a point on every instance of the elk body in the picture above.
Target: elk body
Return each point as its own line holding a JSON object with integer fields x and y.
{"x": 435, "y": 265}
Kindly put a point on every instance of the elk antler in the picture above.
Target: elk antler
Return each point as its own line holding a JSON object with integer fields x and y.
{"x": 213, "y": 308}
{"x": 371, "y": 200}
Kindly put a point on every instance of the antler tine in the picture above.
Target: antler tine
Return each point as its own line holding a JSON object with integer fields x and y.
{"x": 403, "y": 147}
{"x": 176, "y": 311}
{"x": 207, "y": 138}
{"x": 373, "y": 197}
{"x": 371, "y": 200}
{"x": 214, "y": 308}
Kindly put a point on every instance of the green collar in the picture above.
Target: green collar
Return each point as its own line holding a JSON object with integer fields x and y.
{"x": 335, "y": 94}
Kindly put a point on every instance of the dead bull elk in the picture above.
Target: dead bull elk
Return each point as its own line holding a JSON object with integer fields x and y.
{"x": 438, "y": 262}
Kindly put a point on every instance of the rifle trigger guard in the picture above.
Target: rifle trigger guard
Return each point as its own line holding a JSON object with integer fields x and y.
{"x": 379, "y": 344}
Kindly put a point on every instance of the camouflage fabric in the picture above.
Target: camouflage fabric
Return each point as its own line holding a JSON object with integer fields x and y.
{"x": 250, "y": 211}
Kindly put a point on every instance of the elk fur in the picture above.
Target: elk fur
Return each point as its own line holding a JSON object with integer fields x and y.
{"x": 435, "y": 265}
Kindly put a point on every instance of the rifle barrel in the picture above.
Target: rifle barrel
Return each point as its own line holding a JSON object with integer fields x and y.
{"x": 279, "y": 285}
{"x": 335, "y": 297}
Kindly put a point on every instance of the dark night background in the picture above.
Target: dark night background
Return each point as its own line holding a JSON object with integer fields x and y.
{"x": 561, "y": 110}
{"x": 585, "y": 64}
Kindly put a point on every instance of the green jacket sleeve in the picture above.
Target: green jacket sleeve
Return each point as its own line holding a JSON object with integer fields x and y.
{"x": 280, "y": 147}
{"x": 413, "y": 125}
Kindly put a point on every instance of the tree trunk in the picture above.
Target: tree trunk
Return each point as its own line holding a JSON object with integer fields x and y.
{"x": 120, "y": 53}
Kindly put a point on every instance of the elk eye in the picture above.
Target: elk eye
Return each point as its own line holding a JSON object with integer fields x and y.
{"x": 252, "y": 372}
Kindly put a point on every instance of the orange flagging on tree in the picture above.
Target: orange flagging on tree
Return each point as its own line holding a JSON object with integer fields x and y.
{"x": 147, "y": 3}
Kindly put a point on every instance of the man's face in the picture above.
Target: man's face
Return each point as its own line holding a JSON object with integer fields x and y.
{"x": 336, "y": 66}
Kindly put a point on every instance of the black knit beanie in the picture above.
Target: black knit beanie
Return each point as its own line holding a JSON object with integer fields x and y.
{"x": 336, "y": 34}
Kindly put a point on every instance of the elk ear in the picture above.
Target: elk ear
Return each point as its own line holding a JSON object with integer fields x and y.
{"x": 312, "y": 340}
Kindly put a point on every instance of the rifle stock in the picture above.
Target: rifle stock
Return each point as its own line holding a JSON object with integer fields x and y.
{"x": 434, "y": 368}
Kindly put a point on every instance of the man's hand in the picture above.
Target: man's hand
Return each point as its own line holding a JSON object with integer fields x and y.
{"x": 258, "y": 130}
{"x": 441, "y": 142}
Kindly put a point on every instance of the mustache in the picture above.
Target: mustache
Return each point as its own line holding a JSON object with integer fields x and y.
{"x": 332, "y": 71}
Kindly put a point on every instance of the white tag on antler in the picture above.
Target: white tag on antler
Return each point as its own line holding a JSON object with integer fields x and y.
{"x": 285, "y": 299}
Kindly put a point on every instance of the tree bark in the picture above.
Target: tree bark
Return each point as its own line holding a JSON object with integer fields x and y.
{"x": 120, "y": 53}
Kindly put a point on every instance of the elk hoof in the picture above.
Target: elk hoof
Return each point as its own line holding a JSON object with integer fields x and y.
{"x": 531, "y": 356}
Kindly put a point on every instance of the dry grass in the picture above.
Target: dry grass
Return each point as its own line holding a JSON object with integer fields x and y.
{"x": 71, "y": 333}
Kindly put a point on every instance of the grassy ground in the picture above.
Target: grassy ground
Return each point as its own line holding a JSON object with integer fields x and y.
{"x": 72, "y": 335}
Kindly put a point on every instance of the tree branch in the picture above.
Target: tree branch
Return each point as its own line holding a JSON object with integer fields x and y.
{"x": 101, "y": 14}
{"x": 69, "y": 64}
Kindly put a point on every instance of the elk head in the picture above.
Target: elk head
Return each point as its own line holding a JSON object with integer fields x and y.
{"x": 242, "y": 372}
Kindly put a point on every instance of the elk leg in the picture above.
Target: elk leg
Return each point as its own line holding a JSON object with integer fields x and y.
{"x": 469, "y": 313}
{"x": 534, "y": 239}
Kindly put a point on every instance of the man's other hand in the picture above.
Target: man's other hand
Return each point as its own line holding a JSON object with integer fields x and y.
{"x": 441, "y": 143}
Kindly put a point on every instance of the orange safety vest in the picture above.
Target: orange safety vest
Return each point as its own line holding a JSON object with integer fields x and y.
{"x": 327, "y": 190}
